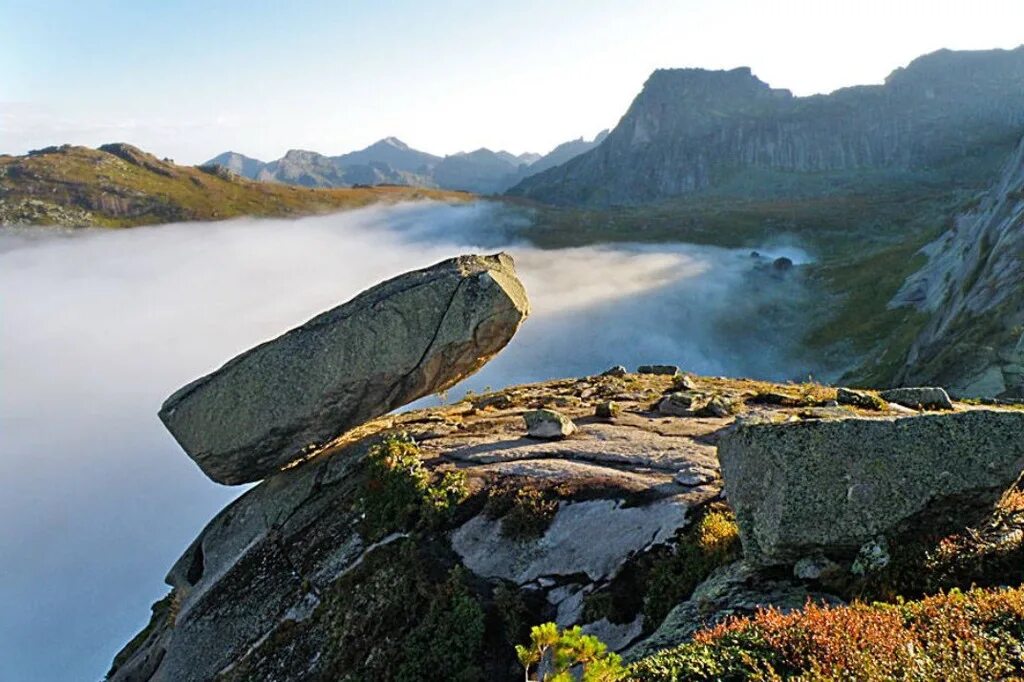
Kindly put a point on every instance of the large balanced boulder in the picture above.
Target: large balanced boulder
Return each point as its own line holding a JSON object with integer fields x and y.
{"x": 830, "y": 486}
{"x": 408, "y": 337}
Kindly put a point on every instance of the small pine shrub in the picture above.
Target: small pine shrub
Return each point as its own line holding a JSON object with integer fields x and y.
{"x": 401, "y": 494}
{"x": 558, "y": 651}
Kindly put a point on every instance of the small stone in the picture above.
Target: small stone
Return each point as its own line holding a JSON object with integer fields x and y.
{"x": 684, "y": 382}
{"x": 693, "y": 474}
{"x": 664, "y": 370}
{"x": 607, "y": 410}
{"x": 846, "y": 396}
{"x": 716, "y": 407}
{"x": 818, "y": 567}
{"x": 681, "y": 404}
{"x": 616, "y": 371}
{"x": 872, "y": 557}
{"x": 923, "y": 398}
{"x": 548, "y": 424}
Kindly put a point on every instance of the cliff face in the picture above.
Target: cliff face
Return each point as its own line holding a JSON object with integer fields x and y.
{"x": 691, "y": 130}
{"x": 973, "y": 341}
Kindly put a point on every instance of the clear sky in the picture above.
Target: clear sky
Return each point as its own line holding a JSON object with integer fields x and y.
{"x": 191, "y": 78}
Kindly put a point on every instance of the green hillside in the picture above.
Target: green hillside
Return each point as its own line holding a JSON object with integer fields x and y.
{"x": 119, "y": 185}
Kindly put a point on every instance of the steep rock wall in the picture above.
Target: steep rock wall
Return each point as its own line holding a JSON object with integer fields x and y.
{"x": 974, "y": 340}
{"x": 691, "y": 130}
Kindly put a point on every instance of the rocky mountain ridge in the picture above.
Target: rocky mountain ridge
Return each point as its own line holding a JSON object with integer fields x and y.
{"x": 692, "y": 130}
{"x": 391, "y": 161}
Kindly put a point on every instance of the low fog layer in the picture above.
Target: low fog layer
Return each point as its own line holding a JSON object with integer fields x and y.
{"x": 98, "y": 327}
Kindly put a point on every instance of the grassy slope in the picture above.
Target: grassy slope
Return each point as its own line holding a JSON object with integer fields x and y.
{"x": 78, "y": 185}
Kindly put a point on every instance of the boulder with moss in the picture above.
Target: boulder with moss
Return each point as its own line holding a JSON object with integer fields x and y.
{"x": 411, "y": 336}
{"x": 829, "y": 486}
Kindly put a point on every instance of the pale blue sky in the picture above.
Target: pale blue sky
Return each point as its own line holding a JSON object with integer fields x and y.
{"x": 190, "y": 78}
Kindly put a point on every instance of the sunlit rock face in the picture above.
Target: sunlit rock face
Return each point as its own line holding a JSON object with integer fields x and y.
{"x": 691, "y": 130}
{"x": 411, "y": 336}
{"x": 973, "y": 340}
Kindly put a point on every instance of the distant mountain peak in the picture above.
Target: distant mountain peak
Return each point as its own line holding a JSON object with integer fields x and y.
{"x": 393, "y": 152}
{"x": 300, "y": 154}
{"x": 393, "y": 142}
{"x": 245, "y": 166}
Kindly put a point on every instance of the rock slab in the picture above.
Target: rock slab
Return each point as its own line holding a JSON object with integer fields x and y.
{"x": 927, "y": 397}
{"x": 408, "y": 337}
{"x": 828, "y": 487}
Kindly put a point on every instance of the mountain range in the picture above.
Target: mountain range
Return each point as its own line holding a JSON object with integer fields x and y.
{"x": 727, "y": 132}
{"x": 119, "y": 185}
{"x": 947, "y": 117}
{"x": 391, "y": 161}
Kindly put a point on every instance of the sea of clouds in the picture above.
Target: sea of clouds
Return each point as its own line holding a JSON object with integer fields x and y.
{"x": 97, "y": 327}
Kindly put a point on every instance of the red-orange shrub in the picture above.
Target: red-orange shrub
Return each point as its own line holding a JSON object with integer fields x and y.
{"x": 973, "y": 635}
